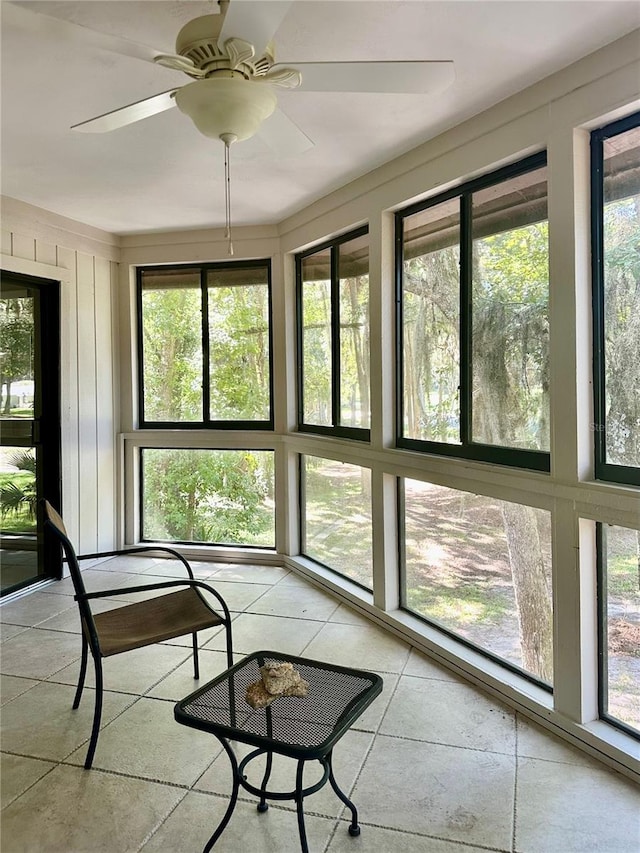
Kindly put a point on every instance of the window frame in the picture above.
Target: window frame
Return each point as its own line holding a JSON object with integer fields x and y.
{"x": 206, "y": 422}
{"x": 535, "y": 460}
{"x": 336, "y": 430}
{"x": 603, "y": 470}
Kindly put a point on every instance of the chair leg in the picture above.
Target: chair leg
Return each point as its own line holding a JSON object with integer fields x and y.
{"x": 97, "y": 715}
{"x": 229, "y": 646}
{"x": 196, "y": 668}
{"x": 83, "y": 672}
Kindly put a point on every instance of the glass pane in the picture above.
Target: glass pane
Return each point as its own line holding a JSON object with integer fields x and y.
{"x": 316, "y": 339}
{"x": 239, "y": 347}
{"x": 621, "y": 661}
{"x": 16, "y": 352}
{"x": 172, "y": 345}
{"x": 353, "y": 265}
{"x": 211, "y": 496}
{"x": 431, "y": 324}
{"x": 622, "y": 298}
{"x": 510, "y": 313}
{"x": 337, "y": 517}
{"x": 481, "y": 568}
{"x": 18, "y": 503}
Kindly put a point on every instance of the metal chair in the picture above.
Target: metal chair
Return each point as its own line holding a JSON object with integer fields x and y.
{"x": 134, "y": 626}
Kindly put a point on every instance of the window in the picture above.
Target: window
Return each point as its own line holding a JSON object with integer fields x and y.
{"x": 333, "y": 337}
{"x": 473, "y": 326}
{"x": 619, "y": 593}
{"x": 336, "y": 517}
{"x": 480, "y": 569}
{"x": 615, "y": 153}
{"x": 205, "y": 346}
{"x": 224, "y": 497}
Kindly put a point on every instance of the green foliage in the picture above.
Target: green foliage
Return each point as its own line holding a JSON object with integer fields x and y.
{"x": 16, "y": 344}
{"x": 220, "y": 496}
{"x": 18, "y": 493}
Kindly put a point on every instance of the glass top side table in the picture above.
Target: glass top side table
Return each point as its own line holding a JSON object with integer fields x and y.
{"x": 303, "y": 728}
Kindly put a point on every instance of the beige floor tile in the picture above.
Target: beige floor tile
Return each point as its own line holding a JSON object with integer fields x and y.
{"x": 237, "y": 594}
{"x": 32, "y": 609}
{"x": 372, "y": 839}
{"x": 573, "y": 809}
{"x": 349, "y": 616}
{"x": 131, "y": 672}
{"x": 12, "y": 686}
{"x": 359, "y": 646}
{"x": 80, "y": 811}
{"x": 425, "y": 667}
{"x": 69, "y": 620}
{"x": 443, "y": 791}
{"x": 181, "y": 682}
{"x": 18, "y": 774}
{"x": 95, "y": 580}
{"x": 299, "y": 602}
{"x": 37, "y": 653}
{"x": 370, "y": 720}
{"x": 253, "y": 631}
{"x": 193, "y": 822}
{"x": 8, "y": 631}
{"x": 126, "y": 563}
{"x": 146, "y": 741}
{"x": 249, "y": 573}
{"x": 348, "y": 757}
{"x": 452, "y": 714}
{"x": 536, "y": 742}
{"x": 204, "y": 637}
{"x": 174, "y": 569}
{"x": 41, "y": 722}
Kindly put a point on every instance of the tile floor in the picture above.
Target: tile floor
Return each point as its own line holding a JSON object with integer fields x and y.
{"x": 434, "y": 765}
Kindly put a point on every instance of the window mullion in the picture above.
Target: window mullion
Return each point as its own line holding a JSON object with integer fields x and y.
{"x": 335, "y": 336}
{"x": 466, "y": 279}
{"x": 206, "y": 371}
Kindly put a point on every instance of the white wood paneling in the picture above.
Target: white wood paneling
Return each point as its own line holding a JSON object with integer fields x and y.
{"x": 37, "y": 243}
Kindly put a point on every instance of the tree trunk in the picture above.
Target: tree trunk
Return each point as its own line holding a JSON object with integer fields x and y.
{"x": 535, "y": 616}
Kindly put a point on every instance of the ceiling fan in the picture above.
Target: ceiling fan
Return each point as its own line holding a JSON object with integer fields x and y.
{"x": 231, "y": 61}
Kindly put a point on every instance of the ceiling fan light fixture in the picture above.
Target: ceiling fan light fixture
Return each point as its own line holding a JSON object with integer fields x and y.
{"x": 226, "y": 105}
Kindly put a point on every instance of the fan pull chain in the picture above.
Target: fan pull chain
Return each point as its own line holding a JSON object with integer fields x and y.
{"x": 227, "y": 138}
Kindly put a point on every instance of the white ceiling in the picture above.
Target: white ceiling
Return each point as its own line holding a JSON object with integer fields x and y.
{"x": 161, "y": 174}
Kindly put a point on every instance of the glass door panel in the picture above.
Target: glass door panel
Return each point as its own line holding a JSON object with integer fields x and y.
{"x": 29, "y": 426}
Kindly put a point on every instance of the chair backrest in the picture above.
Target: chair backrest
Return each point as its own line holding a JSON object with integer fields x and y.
{"x": 56, "y": 525}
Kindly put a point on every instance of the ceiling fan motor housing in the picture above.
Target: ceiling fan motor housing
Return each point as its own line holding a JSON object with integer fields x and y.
{"x": 226, "y": 105}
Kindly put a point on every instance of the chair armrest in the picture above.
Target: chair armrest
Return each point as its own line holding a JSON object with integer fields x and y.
{"x": 107, "y": 593}
{"x": 140, "y": 550}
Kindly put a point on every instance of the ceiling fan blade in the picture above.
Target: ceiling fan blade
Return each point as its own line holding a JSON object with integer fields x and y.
{"x": 129, "y": 114}
{"x": 255, "y": 21}
{"x": 380, "y": 77}
{"x": 35, "y": 18}
{"x": 283, "y": 135}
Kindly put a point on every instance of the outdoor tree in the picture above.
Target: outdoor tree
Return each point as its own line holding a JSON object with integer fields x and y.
{"x": 16, "y": 345}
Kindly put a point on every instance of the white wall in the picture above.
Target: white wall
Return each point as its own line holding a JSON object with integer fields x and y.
{"x": 84, "y": 260}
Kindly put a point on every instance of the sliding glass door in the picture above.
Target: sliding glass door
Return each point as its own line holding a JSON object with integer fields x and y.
{"x": 29, "y": 426}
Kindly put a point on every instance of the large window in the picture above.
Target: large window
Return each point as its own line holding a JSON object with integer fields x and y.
{"x": 480, "y": 569}
{"x": 205, "y": 346}
{"x": 473, "y": 326}
{"x": 333, "y": 337}
{"x": 211, "y": 496}
{"x": 616, "y": 275}
{"x": 336, "y": 517}
{"x": 619, "y": 583}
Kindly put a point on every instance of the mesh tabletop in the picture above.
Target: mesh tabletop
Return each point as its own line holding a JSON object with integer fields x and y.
{"x": 300, "y": 726}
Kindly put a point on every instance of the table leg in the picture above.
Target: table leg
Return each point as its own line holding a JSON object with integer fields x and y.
{"x": 299, "y": 806}
{"x": 354, "y": 829}
{"x": 263, "y": 805}
{"x": 232, "y": 803}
